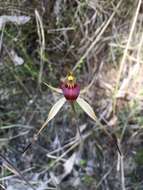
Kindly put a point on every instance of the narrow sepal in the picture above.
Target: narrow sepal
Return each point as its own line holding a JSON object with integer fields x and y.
{"x": 58, "y": 90}
{"x": 86, "y": 108}
{"x": 54, "y": 110}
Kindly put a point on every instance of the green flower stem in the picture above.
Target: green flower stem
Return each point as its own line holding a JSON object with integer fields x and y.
{"x": 75, "y": 116}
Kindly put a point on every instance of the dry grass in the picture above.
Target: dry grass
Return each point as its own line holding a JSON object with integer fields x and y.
{"x": 102, "y": 42}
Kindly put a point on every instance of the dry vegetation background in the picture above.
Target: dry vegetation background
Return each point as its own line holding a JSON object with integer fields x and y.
{"x": 102, "y": 42}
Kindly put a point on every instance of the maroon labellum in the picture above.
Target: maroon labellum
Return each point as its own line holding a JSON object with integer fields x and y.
{"x": 70, "y": 92}
{"x": 70, "y": 88}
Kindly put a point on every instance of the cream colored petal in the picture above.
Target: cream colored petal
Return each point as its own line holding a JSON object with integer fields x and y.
{"x": 54, "y": 110}
{"x": 58, "y": 90}
{"x": 86, "y": 107}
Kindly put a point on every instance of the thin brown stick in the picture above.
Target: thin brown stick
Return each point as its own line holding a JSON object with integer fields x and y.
{"x": 14, "y": 170}
{"x": 125, "y": 53}
{"x": 98, "y": 37}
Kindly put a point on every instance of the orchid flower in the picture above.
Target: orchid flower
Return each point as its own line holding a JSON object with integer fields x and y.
{"x": 70, "y": 90}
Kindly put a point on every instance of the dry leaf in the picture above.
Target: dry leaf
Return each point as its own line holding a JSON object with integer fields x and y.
{"x": 7, "y": 164}
{"x": 68, "y": 166}
{"x": 16, "y": 59}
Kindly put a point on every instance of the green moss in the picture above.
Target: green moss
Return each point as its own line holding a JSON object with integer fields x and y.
{"x": 88, "y": 180}
{"x": 139, "y": 157}
{"x": 83, "y": 163}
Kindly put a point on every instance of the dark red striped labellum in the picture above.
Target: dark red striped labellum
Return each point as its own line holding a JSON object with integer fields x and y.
{"x": 70, "y": 88}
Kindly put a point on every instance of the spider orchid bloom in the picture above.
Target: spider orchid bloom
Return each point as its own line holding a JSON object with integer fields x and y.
{"x": 71, "y": 92}
{"x": 70, "y": 89}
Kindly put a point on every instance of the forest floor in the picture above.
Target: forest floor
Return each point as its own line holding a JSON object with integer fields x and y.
{"x": 101, "y": 42}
